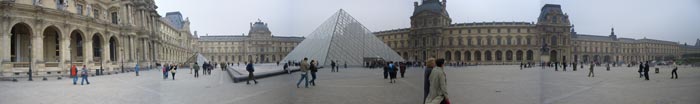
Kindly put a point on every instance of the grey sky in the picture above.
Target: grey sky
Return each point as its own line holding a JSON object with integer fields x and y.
{"x": 672, "y": 20}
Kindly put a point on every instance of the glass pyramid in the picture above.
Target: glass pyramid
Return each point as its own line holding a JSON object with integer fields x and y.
{"x": 343, "y": 39}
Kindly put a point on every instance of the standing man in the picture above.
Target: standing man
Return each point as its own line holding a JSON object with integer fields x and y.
{"x": 333, "y": 69}
{"x": 646, "y": 71}
{"x": 304, "y": 68}
{"x": 673, "y": 72}
{"x": 521, "y": 65}
{"x": 590, "y": 73}
{"x": 574, "y": 65}
{"x": 564, "y": 64}
{"x": 196, "y": 69}
{"x": 84, "y": 74}
{"x": 438, "y": 85}
{"x": 136, "y": 69}
{"x": 250, "y": 70}
{"x": 641, "y": 69}
{"x": 174, "y": 70}
{"x": 286, "y": 65}
{"x": 402, "y": 65}
{"x": 430, "y": 64}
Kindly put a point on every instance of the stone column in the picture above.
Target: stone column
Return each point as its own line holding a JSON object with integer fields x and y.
{"x": 5, "y": 45}
{"x": 65, "y": 52}
{"x": 105, "y": 54}
{"x": 37, "y": 41}
{"x": 87, "y": 53}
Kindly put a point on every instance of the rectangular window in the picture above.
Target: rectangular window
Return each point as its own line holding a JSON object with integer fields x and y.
{"x": 115, "y": 19}
{"x": 79, "y": 9}
{"x": 96, "y": 13}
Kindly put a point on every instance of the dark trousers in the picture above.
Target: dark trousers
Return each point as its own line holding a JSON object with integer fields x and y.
{"x": 313, "y": 78}
{"x": 591, "y": 74}
{"x": 641, "y": 74}
{"x": 386, "y": 74}
{"x": 402, "y": 72}
{"x": 646, "y": 75}
{"x": 173, "y": 76}
{"x": 85, "y": 79}
{"x": 196, "y": 73}
{"x": 674, "y": 74}
{"x": 251, "y": 76}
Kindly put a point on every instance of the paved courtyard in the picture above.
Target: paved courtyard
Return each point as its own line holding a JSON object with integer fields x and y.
{"x": 504, "y": 84}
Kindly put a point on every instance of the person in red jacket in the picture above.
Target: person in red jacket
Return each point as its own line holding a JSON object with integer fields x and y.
{"x": 74, "y": 74}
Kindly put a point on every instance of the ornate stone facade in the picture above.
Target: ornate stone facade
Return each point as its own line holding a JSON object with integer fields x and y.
{"x": 259, "y": 46}
{"x": 50, "y": 35}
{"x": 551, "y": 39}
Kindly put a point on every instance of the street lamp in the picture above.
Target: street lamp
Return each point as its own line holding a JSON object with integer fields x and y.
{"x": 30, "y": 63}
{"x": 122, "y": 51}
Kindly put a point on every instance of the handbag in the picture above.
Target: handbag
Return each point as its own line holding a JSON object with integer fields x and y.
{"x": 445, "y": 101}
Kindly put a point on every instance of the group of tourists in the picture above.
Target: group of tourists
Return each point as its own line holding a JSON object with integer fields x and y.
{"x": 391, "y": 69}
{"x": 172, "y": 69}
{"x": 305, "y": 69}
{"x": 83, "y": 75}
{"x": 644, "y": 68}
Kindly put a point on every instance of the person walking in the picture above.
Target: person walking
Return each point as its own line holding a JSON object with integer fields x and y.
{"x": 521, "y": 65}
{"x": 392, "y": 72}
{"x": 673, "y": 72}
{"x": 74, "y": 74}
{"x": 590, "y": 71}
{"x": 430, "y": 64}
{"x": 641, "y": 69}
{"x": 166, "y": 68}
{"x": 84, "y": 74}
{"x": 285, "y": 68}
{"x": 313, "y": 67}
{"x": 402, "y": 66}
{"x": 195, "y": 66}
{"x": 438, "y": 85}
{"x": 386, "y": 70}
{"x": 574, "y": 66}
{"x": 304, "y": 68}
{"x": 173, "y": 71}
{"x": 250, "y": 70}
{"x": 646, "y": 71}
{"x": 607, "y": 67}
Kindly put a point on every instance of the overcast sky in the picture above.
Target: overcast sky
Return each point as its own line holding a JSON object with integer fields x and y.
{"x": 672, "y": 20}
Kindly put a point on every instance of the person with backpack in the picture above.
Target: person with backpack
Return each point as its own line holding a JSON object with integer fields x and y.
{"x": 250, "y": 70}
{"x": 392, "y": 72}
{"x": 74, "y": 74}
{"x": 84, "y": 74}
{"x": 174, "y": 70}
{"x": 314, "y": 68}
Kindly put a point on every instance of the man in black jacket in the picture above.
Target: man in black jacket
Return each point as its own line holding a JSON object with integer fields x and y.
{"x": 641, "y": 69}
{"x": 646, "y": 71}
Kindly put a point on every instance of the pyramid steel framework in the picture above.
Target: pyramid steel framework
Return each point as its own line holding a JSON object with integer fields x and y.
{"x": 343, "y": 39}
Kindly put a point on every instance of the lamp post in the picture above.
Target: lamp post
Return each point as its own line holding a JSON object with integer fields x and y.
{"x": 122, "y": 51}
{"x": 30, "y": 63}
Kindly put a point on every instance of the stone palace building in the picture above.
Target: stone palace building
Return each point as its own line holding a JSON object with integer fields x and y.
{"x": 551, "y": 39}
{"x": 259, "y": 46}
{"x": 50, "y": 35}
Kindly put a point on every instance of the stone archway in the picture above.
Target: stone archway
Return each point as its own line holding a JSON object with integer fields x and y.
{"x": 458, "y": 56}
{"x": 499, "y": 55}
{"x": 509, "y": 55}
{"x": 77, "y": 46}
{"x": 467, "y": 56}
{"x": 97, "y": 47}
{"x": 448, "y": 56}
{"x": 554, "y": 56}
{"x": 113, "y": 48}
{"x": 19, "y": 42}
{"x": 52, "y": 45}
{"x": 530, "y": 55}
{"x": 477, "y": 56}
{"x": 487, "y": 54}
